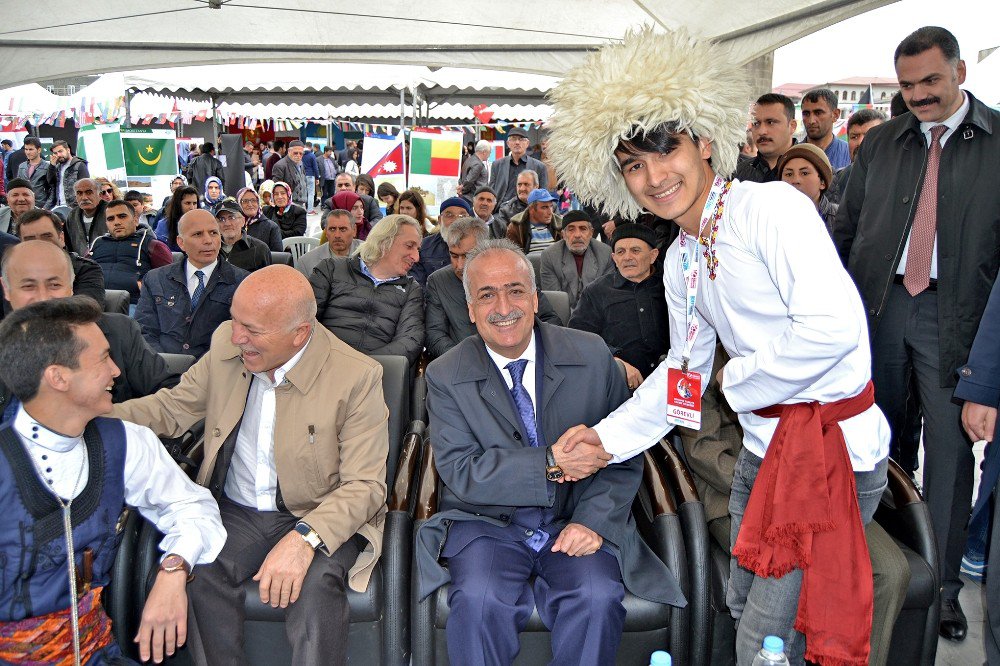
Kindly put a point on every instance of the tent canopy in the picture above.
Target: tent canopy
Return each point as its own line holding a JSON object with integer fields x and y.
{"x": 72, "y": 38}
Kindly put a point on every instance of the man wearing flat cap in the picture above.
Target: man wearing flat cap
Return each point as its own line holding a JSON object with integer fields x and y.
{"x": 578, "y": 259}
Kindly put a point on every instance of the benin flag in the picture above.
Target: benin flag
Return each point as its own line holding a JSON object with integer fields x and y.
{"x": 436, "y": 155}
{"x": 149, "y": 156}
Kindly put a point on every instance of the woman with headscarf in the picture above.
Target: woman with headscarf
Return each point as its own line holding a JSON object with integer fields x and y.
{"x": 212, "y": 197}
{"x": 290, "y": 218}
{"x": 265, "y": 190}
{"x": 257, "y": 225}
{"x": 352, "y": 203}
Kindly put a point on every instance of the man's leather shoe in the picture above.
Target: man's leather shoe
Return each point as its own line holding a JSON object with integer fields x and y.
{"x": 953, "y": 625}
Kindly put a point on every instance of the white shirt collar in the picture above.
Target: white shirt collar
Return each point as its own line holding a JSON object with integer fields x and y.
{"x": 33, "y": 431}
{"x": 501, "y": 361}
{"x": 189, "y": 270}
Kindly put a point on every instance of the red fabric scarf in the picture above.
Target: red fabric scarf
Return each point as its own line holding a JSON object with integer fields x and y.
{"x": 803, "y": 514}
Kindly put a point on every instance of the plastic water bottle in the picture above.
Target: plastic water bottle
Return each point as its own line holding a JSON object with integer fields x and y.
{"x": 660, "y": 658}
{"x": 772, "y": 653}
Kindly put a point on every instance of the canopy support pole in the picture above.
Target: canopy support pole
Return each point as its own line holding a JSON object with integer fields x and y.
{"x": 128, "y": 107}
{"x": 402, "y": 109}
{"x": 215, "y": 121}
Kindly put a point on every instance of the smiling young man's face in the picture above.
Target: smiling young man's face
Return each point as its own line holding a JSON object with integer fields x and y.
{"x": 673, "y": 185}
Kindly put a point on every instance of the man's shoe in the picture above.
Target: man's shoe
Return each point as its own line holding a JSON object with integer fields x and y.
{"x": 953, "y": 625}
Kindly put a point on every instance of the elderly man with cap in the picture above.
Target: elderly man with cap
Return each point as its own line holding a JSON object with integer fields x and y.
{"x": 20, "y": 199}
{"x": 537, "y": 227}
{"x": 627, "y": 307}
{"x": 239, "y": 248}
{"x": 753, "y": 267}
{"x": 504, "y": 172}
{"x": 572, "y": 263}
{"x": 806, "y": 167}
{"x": 434, "y": 249}
{"x": 484, "y": 204}
{"x": 182, "y": 304}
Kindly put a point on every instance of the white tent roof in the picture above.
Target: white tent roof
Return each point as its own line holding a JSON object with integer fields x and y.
{"x": 72, "y": 38}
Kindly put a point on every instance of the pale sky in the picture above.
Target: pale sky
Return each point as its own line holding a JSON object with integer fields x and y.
{"x": 863, "y": 45}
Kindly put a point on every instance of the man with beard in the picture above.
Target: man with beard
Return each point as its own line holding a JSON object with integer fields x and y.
{"x": 819, "y": 113}
{"x": 65, "y": 170}
{"x": 572, "y": 263}
{"x": 125, "y": 254}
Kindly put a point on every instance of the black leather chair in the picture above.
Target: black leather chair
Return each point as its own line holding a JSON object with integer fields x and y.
{"x": 378, "y": 620}
{"x": 116, "y": 300}
{"x": 696, "y": 543}
{"x": 559, "y": 300}
{"x": 536, "y": 263}
{"x": 281, "y": 258}
{"x": 649, "y": 626}
{"x": 903, "y": 514}
{"x": 178, "y": 363}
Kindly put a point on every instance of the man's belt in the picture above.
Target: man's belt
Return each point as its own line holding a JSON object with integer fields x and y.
{"x": 47, "y": 640}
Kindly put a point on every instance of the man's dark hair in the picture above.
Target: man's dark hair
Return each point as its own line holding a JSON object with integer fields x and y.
{"x": 336, "y": 212}
{"x": 784, "y": 100}
{"x": 14, "y": 183}
{"x": 61, "y": 142}
{"x": 278, "y": 144}
{"x": 923, "y": 39}
{"x": 824, "y": 94}
{"x": 32, "y": 141}
{"x": 174, "y": 211}
{"x": 207, "y": 147}
{"x": 134, "y": 195}
{"x": 35, "y": 214}
{"x": 897, "y": 105}
{"x": 40, "y": 335}
{"x": 114, "y": 203}
{"x": 309, "y": 144}
{"x": 863, "y": 117}
{"x": 7, "y": 142}
{"x": 664, "y": 139}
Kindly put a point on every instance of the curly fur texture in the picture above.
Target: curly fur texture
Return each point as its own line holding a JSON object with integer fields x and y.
{"x": 626, "y": 88}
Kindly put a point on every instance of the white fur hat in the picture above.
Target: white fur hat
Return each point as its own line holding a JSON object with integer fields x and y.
{"x": 634, "y": 86}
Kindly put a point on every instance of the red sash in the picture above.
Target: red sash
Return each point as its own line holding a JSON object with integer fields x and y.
{"x": 47, "y": 640}
{"x": 803, "y": 514}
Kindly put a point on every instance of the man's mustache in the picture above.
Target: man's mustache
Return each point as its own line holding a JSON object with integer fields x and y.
{"x": 497, "y": 318}
{"x": 925, "y": 102}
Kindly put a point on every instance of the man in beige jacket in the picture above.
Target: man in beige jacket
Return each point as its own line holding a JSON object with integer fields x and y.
{"x": 296, "y": 437}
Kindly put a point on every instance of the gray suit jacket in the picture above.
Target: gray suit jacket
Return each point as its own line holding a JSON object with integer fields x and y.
{"x": 558, "y": 270}
{"x": 473, "y": 176}
{"x": 501, "y": 179}
{"x": 488, "y": 470}
{"x": 311, "y": 259}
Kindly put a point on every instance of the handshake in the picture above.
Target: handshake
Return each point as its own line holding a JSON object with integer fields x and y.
{"x": 579, "y": 453}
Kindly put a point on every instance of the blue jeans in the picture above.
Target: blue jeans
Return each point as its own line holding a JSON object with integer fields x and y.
{"x": 311, "y": 194}
{"x": 768, "y": 606}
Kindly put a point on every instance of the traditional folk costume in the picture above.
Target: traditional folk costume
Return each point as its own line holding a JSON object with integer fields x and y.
{"x": 49, "y": 481}
{"x": 766, "y": 281}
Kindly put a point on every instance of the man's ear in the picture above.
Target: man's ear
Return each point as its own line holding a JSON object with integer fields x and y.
{"x": 55, "y": 376}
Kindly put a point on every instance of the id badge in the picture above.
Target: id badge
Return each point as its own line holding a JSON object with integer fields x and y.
{"x": 684, "y": 398}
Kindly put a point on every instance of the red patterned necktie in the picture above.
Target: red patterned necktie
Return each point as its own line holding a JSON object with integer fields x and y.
{"x": 917, "y": 275}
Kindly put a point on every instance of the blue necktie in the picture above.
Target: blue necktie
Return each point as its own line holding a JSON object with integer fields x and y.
{"x": 522, "y": 400}
{"x": 198, "y": 291}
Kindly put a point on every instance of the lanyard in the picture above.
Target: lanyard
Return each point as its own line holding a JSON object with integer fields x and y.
{"x": 690, "y": 267}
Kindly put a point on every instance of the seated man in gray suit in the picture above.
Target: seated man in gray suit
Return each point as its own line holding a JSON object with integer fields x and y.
{"x": 573, "y": 262}
{"x": 497, "y": 401}
{"x": 446, "y": 314}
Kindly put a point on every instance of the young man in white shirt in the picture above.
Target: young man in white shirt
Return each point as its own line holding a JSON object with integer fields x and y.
{"x": 753, "y": 267}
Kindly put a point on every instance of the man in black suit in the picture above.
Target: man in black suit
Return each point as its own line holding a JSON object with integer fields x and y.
{"x": 509, "y": 517}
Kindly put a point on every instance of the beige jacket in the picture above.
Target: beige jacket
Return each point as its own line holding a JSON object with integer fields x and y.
{"x": 334, "y": 478}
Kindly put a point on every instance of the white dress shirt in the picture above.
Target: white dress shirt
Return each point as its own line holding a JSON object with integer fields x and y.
{"x": 182, "y": 510}
{"x": 192, "y": 280}
{"x": 528, "y": 380}
{"x": 787, "y": 313}
{"x": 253, "y": 478}
{"x": 952, "y": 124}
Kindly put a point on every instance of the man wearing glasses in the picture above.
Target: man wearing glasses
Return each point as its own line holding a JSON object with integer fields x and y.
{"x": 503, "y": 176}
{"x": 434, "y": 249}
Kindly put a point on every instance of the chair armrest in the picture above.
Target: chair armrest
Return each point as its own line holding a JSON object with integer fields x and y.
{"x": 653, "y": 480}
{"x": 901, "y": 488}
{"x": 677, "y": 472}
{"x": 404, "y": 487}
{"x": 427, "y": 492}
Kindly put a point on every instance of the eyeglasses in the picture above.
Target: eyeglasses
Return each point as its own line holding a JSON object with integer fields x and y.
{"x": 248, "y": 201}
{"x": 107, "y": 191}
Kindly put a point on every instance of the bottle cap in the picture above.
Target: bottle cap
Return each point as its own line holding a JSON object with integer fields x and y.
{"x": 660, "y": 658}
{"x": 774, "y": 644}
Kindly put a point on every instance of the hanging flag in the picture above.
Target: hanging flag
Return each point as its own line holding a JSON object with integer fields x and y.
{"x": 383, "y": 155}
{"x": 149, "y": 155}
{"x": 436, "y": 154}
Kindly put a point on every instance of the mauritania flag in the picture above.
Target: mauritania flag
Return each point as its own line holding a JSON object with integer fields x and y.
{"x": 436, "y": 154}
{"x": 149, "y": 156}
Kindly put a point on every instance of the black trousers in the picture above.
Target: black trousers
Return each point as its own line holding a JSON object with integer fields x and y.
{"x": 906, "y": 346}
{"x": 316, "y": 624}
